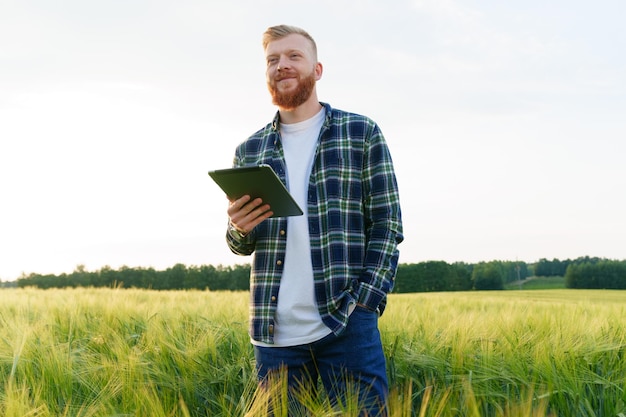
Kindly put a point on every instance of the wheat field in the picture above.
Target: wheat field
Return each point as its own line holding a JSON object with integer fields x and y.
{"x": 127, "y": 352}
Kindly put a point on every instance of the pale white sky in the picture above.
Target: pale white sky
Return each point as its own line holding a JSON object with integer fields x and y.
{"x": 506, "y": 122}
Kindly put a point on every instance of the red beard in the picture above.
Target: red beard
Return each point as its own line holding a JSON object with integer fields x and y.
{"x": 291, "y": 100}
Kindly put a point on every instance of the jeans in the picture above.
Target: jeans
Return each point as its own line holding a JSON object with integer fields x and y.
{"x": 348, "y": 364}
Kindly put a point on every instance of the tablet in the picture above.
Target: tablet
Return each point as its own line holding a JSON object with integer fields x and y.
{"x": 258, "y": 182}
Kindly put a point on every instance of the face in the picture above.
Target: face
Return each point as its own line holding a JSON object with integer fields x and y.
{"x": 292, "y": 71}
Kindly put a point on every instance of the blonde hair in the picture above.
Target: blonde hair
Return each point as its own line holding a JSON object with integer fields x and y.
{"x": 277, "y": 32}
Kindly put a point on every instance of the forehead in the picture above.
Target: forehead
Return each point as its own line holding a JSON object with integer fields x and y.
{"x": 292, "y": 42}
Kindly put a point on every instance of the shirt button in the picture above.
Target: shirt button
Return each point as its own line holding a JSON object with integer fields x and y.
{"x": 271, "y": 329}
{"x": 273, "y": 298}
{"x": 282, "y": 233}
{"x": 279, "y": 262}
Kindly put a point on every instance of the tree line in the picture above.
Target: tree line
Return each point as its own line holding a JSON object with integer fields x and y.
{"x": 178, "y": 277}
{"x": 558, "y": 268}
{"x": 584, "y": 272}
{"x": 440, "y": 276}
{"x": 603, "y": 274}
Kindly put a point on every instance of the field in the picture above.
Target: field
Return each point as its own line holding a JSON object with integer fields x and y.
{"x": 116, "y": 352}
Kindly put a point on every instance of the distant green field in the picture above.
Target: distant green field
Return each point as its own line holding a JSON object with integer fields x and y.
{"x": 115, "y": 352}
{"x": 538, "y": 283}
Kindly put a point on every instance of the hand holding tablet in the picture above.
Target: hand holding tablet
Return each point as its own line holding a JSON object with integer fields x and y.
{"x": 258, "y": 182}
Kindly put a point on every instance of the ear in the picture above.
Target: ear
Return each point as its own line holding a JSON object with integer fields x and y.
{"x": 319, "y": 69}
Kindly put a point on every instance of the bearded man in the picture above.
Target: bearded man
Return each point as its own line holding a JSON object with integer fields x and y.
{"x": 319, "y": 282}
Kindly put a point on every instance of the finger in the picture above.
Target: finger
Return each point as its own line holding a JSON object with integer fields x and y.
{"x": 237, "y": 205}
{"x": 249, "y": 207}
{"x": 254, "y": 212}
{"x": 259, "y": 219}
{"x": 253, "y": 218}
{"x": 240, "y": 202}
{"x": 262, "y": 212}
{"x": 245, "y": 217}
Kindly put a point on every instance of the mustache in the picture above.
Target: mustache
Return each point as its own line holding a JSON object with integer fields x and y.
{"x": 284, "y": 75}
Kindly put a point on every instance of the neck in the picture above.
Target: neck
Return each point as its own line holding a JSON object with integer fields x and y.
{"x": 303, "y": 112}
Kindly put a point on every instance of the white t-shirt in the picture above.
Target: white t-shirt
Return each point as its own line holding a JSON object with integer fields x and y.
{"x": 297, "y": 318}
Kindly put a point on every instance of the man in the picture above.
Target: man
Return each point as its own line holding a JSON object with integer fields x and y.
{"x": 319, "y": 281}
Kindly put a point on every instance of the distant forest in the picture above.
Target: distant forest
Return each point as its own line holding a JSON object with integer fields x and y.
{"x": 583, "y": 272}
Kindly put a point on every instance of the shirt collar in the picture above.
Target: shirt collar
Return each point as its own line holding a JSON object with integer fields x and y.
{"x": 276, "y": 121}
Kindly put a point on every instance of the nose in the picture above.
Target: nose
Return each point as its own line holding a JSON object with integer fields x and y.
{"x": 282, "y": 64}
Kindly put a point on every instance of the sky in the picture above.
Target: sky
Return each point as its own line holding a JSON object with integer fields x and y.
{"x": 506, "y": 122}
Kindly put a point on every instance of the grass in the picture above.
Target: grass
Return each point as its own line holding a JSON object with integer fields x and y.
{"x": 115, "y": 352}
{"x": 562, "y": 348}
{"x": 122, "y": 352}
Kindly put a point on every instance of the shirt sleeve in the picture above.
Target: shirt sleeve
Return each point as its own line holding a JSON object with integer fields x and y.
{"x": 383, "y": 223}
{"x": 241, "y": 246}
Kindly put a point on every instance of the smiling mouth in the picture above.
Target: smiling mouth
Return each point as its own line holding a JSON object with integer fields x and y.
{"x": 286, "y": 76}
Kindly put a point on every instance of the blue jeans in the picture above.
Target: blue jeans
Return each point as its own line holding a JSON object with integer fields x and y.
{"x": 352, "y": 362}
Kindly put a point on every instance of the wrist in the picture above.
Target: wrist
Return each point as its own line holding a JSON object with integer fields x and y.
{"x": 236, "y": 232}
{"x": 377, "y": 310}
{"x": 364, "y": 306}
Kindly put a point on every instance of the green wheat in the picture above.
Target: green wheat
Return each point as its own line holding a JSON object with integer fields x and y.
{"x": 117, "y": 352}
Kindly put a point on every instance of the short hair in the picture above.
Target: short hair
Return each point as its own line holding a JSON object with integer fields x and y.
{"x": 277, "y": 32}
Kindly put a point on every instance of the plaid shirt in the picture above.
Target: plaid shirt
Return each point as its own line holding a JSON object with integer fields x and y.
{"x": 354, "y": 222}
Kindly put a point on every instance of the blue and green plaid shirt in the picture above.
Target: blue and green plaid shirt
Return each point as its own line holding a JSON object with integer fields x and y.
{"x": 354, "y": 222}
